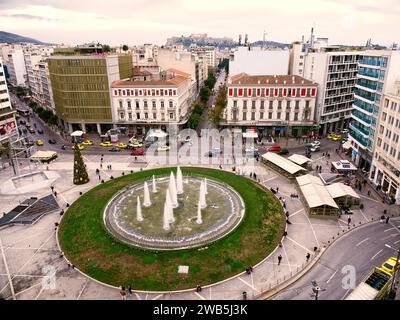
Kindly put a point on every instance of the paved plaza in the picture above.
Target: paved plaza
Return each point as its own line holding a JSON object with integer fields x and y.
{"x": 32, "y": 267}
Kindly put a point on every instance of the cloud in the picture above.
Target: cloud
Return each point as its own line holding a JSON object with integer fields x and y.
{"x": 28, "y": 16}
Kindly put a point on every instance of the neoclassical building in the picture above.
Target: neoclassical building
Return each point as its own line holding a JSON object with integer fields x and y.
{"x": 272, "y": 104}
{"x": 152, "y": 104}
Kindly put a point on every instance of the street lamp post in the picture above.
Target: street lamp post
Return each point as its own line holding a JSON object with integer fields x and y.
{"x": 395, "y": 267}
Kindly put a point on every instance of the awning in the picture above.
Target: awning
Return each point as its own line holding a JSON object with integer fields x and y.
{"x": 346, "y": 145}
{"x": 156, "y": 134}
{"x": 282, "y": 163}
{"x": 250, "y": 134}
{"x": 299, "y": 159}
{"x": 77, "y": 133}
{"x": 43, "y": 155}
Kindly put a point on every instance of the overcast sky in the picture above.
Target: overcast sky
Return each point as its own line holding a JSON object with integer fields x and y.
{"x": 153, "y": 21}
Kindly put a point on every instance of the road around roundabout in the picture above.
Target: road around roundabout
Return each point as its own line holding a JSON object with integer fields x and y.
{"x": 87, "y": 245}
{"x": 362, "y": 249}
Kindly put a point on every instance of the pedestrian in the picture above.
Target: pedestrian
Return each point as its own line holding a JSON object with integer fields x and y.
{"x": 55, "y": 194}
{"x": 130, "y": 290}
{"x": 382, "y": 219}
{"x": 52, "y": 189}
{"x": 369, "y": 193}
{"x": 348, "y": 221}
{"x": 308, "y": 256}
{"x": 251, "y": 174}
{"x": 277, "y": 189}
{"x": 99, "y": 177}
{"x": 387, "y": 220}
{"x": 110, "y": 167}
{"x": 279, "y": 259}
{"x": 255, "y": 176}
{"x": 122, "y": 293}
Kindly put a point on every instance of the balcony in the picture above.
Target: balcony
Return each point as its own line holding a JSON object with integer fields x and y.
{"x": 372, "y": 62}
{"x": 364, "y": 94}
{"x": 360, "y": 117}
{"x": 369, "y": 73}
{"x": 358, "y": 129}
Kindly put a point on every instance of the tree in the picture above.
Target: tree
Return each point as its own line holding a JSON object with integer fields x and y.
{"x": 53, "y": 119}
{"x": 80, "y": 173}
{"x": 194, "y": 120}
{"x": 106, "y": 48}
{"x": 204, "y": 94}
{"x": 125, "y": 47}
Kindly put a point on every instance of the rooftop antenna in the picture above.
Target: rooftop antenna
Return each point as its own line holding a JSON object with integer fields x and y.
{"x": 240, "y": 40}
{"x": 264, "y": 34}
{"x": 312, "y": 36}
{"x": 245, "y": 39}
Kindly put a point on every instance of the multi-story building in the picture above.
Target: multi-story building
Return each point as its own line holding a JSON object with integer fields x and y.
{"x": 207, "y": 54}
{"x": 16, "y": 68}
{"x": 377, "y": 74}
{"x": 7, "y": 114}
{"x": 44, "y": 94}
{"x": 152, "y": 104}
{"x": 257, "y": 61}
{"x": 385, "y": 169}
{"x": 336, "y": 73}
{"x": 275, "y": 105}
{"x": 81, "y": 87}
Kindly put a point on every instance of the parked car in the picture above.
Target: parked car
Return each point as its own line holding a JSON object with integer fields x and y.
{"x": 114, "y": 149}
{"x": 137, "y": 152}
{"x": 274, "y": 148}
{"x": 345, "y": 131}
{"x": 389, "y": 265}
{"x": 40, "y": 131}
{"x": 283, "y": 151}
{"x": 106, "y": 144}
{"x": 63, "y": 147}
{"x": 52, "y": 141}
{"x": 22, "y": 122}
{"x": 31, "y": 130}
{"x": 122, "y": 145}
{"x": 315, "y": 148}
{"x": 87, "y": 142}
{"x": 39, "y": 142}
{"x": 164, "y": 148}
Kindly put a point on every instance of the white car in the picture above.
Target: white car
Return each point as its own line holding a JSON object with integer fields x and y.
{"x": 316, "y": 143}
{"x": 314, "y": 148}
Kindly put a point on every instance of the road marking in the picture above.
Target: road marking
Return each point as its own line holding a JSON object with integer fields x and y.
{"x": 84, "y": 287}
{"x": 291, "y": 215}
{"x": 331, "y": 276}
{"x": 361, "y": 242}
{"x": 160, "y": 295}
{"x": 246, "y": 283}
{"x": 395, "y": 226}
{"x": 8, "y": 271}
{"x": 388, "y": 229}
{"x": 345, "y": 294}
{"x": 376, "y": 254}
{"x": 312, "y": 228}
{"x": 363, "y": 215}
{"x": 269, "y": 179}
{"x": 287, "y": 259}
{"x": 298, "y": 244}
{"x": 319, "y": 158}
{"x": 200, "y": 296}
{"x": 137, "y": 296}
{"x": 397, "y": 241}
{"x": 391, "y": 236}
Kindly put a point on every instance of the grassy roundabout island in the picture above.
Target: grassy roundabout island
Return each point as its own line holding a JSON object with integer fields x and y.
{"x": 87, "y": 243}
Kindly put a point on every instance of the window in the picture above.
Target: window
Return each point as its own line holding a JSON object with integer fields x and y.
{"x": 120, "y": 104}
{"x": 288, "y": 104}
{"x": 121, "y": 115}
{"x": 287, "y": 116}
{"x": 244, "y": 104}
{"x": 384, "y": 114}
{"x": 253, "y": 116}
{"x": 145, "y": 104}
{"x": 261, "y": 115}
{"x": 253, "y": 104}
{"x": 379, "y": 142}
{"x": 262, "y": 104}
{"x": 154, "y": 104}
{"x": 138, "y": 115}
{"x": 269, "y": 115}
{"x": 244, "y": 115}
{"x": 307, "y": 103}
{"x": 170, "y": 92}
{"x": 171, "y": 104}
{"x": 271, "y": 104}
{"x": 278, "y": 115}
{"x": 153, "y": 92}
{"x": 130, "y": 116}
{"x": 297, "y": 105}
{"x": 162, "y": 104}
{"x": 296, "y": 116}
{"x": 128, "y": 92}
{"x": 137, "y": 104}
{"x": 129, "y": 105}
{"x": 171, "y": 115}
{"x": 146, "y": 115}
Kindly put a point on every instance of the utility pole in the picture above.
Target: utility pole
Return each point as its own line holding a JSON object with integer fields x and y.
{"x": 316, "y": 289}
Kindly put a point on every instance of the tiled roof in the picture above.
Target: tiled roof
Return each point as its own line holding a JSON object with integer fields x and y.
{"x": 181, "y": 73}
{"x": 244, "y": 78}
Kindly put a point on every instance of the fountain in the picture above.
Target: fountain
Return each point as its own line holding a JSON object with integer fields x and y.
{"x": 172, "y": 191}
{"x": 199, "y": 220}
{"x": 205, "y": 185}
{"x": 168, "y": 202}
{"x": 139, "y": 216}
{"x": 154, "y": 185}
{"x": 179, "y": 181}
{"x": 146, "y": 202}
{"x": 202, "y": 196}
{"x": 165, "y": 217}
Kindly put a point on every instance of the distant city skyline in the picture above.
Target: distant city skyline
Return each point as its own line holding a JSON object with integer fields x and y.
{"x": 136, "y": 22}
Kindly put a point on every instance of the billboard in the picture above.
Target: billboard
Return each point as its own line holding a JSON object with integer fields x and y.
{"x": 7, "y": 127}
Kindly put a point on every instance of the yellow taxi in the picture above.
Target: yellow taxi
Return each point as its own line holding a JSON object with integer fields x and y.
{"x": 80, "y": 147}
{"x": 136, "y": 144}
{"x": 122, "y": 145}
{"x": 106, "y": 144}
{"x": 87, "y": 142}
{"x": 336, "y": 137}
{"x": 164, "y": 148}
{"x": 389, "y": 265}
{"x": 39, "y": 142}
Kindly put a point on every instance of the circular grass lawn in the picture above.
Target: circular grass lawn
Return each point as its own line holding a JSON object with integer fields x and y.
{"x": 88, "y": 245}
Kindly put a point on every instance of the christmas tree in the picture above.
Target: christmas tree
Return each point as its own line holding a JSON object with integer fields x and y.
{"x": 80, "y": 173}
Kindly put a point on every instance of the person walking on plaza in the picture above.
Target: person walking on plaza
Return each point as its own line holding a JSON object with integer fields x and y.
{"x": 308, "y": 256}
{"x": 387, "y": 220}
{"x": 123, "y": 293}
{"x": 130, "y": 290}
{"x": 348, "y": 221}
{"x": 279, "y": 259}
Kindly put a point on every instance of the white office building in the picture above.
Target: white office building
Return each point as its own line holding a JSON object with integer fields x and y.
{"x": 7, "y": 118}
{"x": 16, "y": 68}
